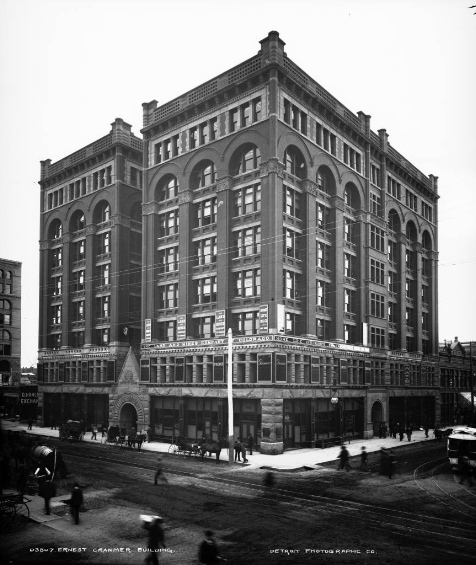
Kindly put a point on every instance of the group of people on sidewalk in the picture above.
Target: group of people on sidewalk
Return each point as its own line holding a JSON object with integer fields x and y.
{"x": 388, "y": 461}
{"x": 240, "y": 448}
{"x": 394, "y": 429}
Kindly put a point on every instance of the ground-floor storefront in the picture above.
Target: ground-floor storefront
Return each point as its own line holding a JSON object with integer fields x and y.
{"x": 90, "y": 407}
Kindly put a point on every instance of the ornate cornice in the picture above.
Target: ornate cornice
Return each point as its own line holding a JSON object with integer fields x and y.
{"x": 91, "y": 230}
{"x": 44, "y": 245}
{"x": 401, "y": 238}
{"x": 121, "y": 220}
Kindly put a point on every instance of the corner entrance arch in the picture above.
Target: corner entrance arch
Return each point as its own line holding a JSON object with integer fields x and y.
{"x": 377, "y": 416}
{"x": 128, "y": 417}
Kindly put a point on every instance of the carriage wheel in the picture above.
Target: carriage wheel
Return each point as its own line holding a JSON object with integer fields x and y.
{"x": 174, "y": 449}
{"x": 20, "y": 518}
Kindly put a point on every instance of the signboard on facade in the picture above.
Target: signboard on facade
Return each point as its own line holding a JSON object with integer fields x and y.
{"x": 148, "y": 329}
{"x": 181, "y": 328}
{"x": 28, "y": 402}
{"x": 265, "y": 367}
{"x": 263, "y": 319}
{"x": 220, "y": 325}
{"x": 281, "y": 367}
{"x": 281, "y": 318}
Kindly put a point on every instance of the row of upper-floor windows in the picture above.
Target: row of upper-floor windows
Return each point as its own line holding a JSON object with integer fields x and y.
{"x": 6, "y": 282}
{"x": 90, "y": 183}
{"x": 199, "y": 135}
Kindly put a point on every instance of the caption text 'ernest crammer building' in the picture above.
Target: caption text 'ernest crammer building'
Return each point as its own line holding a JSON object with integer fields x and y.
{"x": 268, "y": 207}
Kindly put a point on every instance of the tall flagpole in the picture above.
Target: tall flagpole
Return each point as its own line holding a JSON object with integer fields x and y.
{"x": 230, "y": 398}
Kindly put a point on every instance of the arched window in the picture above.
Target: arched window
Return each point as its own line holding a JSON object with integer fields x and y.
{"x": 294, "y": 162}
{"x": 393, "y": 221}
{"x": 203, "y": 175}
{"x": 167, "y": 188}
{"x": 426, "y": 241}
{"x": 102, "y": 212}
{"x": 56, "y": 229}
{"x": 411, "y": 232}
{"x": 247, "y": 158}
{"x": 5, "y": 342}
{"x": 351, "y": 196}
{"x": 78, "y": 222}
{"x": 5, "y": 313}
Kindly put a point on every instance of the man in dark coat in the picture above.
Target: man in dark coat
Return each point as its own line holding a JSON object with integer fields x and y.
{"x": 76, "y": 501}
{"x": 344, "y": 459}
{"x": 208, "y": 551}
{"x": 237, "y": 447}
{"x": 156, "y": 540}
{"x": 251, "y": 442}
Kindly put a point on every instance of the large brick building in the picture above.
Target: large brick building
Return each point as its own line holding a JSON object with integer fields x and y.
{"x": 270, "y": 208}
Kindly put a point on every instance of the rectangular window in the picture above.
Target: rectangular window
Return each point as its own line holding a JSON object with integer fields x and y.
{"x": 322, "y": 293}
{"x": 377, "y": 271}
{"x": 377, "y": 238}
{"x": 350, "y": 266}
{"x": 204, "y": 328}
{"x": 375, "y": 175}
{"x": 349, "y": 230}
{"x": 291, "y": 285}
{"x": 377, "y": 337}
{"x": 375, "y": 204}
{"x": 204, "y": 133}
{"x": 291, "y": 202}
{"x": 256, "y": 109}
{"x": 206, "y": 212}
{"x": 246, "y": 323}
{"x": 193, "y": 138}
{"x": 213, "y": 129}
{"x": 168, "y": 259}
{"x": 247, "y": 283}
{"x": 377, "y": 305}
{"x": 167, "y": 331}
{"x": 245, "y": 111}
{"x": 349, "y": 301}
{"x": 168, "y": 296}
{"x": 169, "y": 223}
{"x": 233, "y": 119}
{"x": 323, "y": 328}
{"x": 247, "y": 200}
{"x": 247, "y": 242}
{"x": 411, "y": 200}
{"x": 323, "y": 255}
{"x": 291, "y": 241}
{"x": 205, "y": 290}
{"x": 323, "y": 214}
{"x": 206, "y": 251}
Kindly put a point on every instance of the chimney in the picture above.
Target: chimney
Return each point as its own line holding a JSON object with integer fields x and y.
{"x": 272, "y": 49}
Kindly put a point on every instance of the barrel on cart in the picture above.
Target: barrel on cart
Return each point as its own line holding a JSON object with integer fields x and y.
{"x": 49, "y": 458}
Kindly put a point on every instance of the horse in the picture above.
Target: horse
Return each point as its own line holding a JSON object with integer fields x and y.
{"x": 205, "y": 445}
{"x": 134, "y": 439}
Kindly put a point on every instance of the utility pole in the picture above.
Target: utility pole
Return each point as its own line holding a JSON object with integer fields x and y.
{"x": 230, "y": 399}
{"x": 472, "y": 381}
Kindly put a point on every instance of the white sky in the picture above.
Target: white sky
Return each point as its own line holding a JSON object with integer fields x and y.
{"x": 68, "y": 68}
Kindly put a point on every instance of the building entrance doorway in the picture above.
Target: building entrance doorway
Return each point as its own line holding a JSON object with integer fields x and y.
{"x": 128, "y": 417}
{"x": 377, "y": 416}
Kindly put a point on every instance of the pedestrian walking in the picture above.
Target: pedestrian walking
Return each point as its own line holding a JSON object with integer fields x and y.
{"x": 76, "y": 501}
{"x": 237, "y": 447}
{"x": 243, "y": 452}
{"x": 94, "y": 431}
{"x": 47, "y": 490}
{"x": 250, "y": 443}
{"x": 30, "y": 423}
{"x": 384, "y": 430}
{"x": 392, "y": 463}
{"x": 22, "y": 478}
{"x": 159, "y": 473}
{"x": 344, "y": 459}
{"x": 380, "y": 430}
{"x": 364, "y": 459}
{"x": 383, "y": 461}
{"x": 427, "y": 429}
{"x": 156, "y": 539}
{"x": 409, "y": 432}
{"x": 103, "y": 429}
{"x": 208, "y": 553}
{"x": 269, "y": 483}
{"x": 401, "y": 431}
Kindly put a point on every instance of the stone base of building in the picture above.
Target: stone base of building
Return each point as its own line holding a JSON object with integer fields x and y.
{"x": 369, "y": 434}
{"x": 272, "y": 448}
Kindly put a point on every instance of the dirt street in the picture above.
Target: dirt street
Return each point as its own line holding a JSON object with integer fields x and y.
{"x": 316, "y": 516}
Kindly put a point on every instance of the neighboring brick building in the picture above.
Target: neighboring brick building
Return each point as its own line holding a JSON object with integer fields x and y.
{"x": 270, "y": 208}
{"x": 10, "y": 335}
{"x": 90, "y": 274}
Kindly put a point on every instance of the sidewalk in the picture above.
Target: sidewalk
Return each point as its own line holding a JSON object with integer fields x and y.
{"x": 292, "y": 460}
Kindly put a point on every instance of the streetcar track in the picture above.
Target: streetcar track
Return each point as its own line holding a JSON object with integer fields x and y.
{"x": 441, "y": 531}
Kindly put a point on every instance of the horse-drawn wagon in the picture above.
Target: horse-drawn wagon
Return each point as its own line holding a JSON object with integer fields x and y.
{"x": 72, "y": 430}
{"x": 184, "y": 446}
